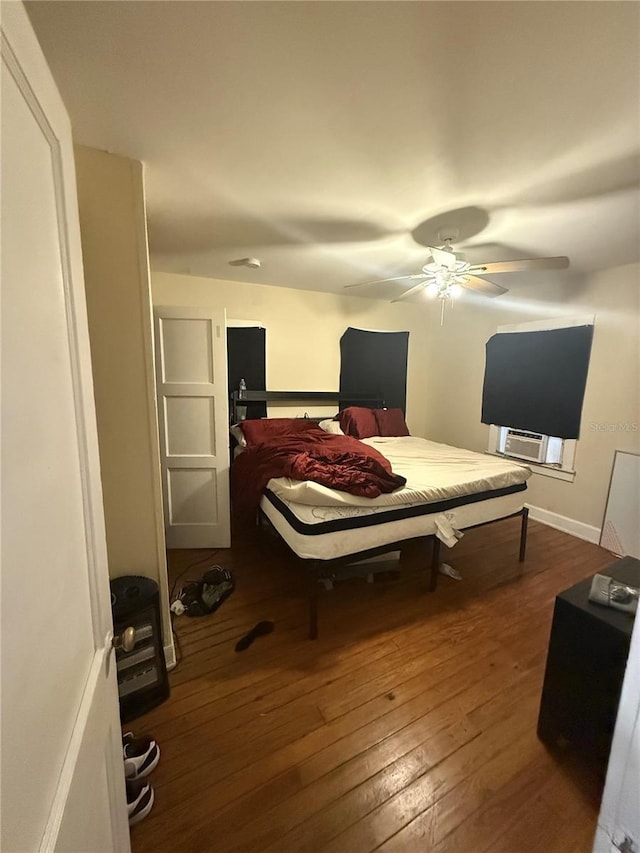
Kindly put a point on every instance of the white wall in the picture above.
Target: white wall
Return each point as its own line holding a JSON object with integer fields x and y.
{"x": 116, "y": 269}
{"x": 612, "y": 396}
{"x": 446, "y": 364}
{"x": 304, "y": 330}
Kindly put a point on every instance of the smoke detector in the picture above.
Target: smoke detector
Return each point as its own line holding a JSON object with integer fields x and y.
{"x": 252, "y": 263}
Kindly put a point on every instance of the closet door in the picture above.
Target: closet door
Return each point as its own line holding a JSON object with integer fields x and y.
{"x": 191, "y": 377}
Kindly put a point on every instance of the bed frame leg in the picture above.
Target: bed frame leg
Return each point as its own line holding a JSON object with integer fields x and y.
{"x": 313, "y": 602}
{"x": 523, "y": 533}
{"x": 435, "y": 564}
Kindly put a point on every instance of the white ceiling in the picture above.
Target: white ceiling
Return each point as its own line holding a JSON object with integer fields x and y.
{"x": 332, "y": 140}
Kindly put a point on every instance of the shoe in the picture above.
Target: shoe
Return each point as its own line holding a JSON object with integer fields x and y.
{"x": 141, "y": 755}
{"x": 140, "y": 797}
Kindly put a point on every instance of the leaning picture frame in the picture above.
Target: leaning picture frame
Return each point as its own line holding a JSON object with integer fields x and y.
{"x": 620, "y": 532}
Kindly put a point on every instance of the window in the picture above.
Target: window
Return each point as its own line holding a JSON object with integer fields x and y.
{"x": 374, "y": 363}
{"x": 535, "y": 381}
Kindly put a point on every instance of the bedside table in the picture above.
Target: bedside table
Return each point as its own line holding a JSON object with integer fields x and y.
{"x": 586, "y": 661}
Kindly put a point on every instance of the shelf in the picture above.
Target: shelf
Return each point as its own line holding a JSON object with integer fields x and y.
{"x": 300, "y": 396}
{"x": 370, "y": 400}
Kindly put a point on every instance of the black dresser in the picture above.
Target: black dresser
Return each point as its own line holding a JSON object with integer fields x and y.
{"x": 586, "y": 662}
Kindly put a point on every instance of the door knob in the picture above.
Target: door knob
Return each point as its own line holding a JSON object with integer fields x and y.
{"x": 126, "y": 641}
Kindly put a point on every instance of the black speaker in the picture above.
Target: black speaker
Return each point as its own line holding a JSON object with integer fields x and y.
{"x": 142, "y": 676}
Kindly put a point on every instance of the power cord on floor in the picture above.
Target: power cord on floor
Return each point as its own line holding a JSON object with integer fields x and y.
{"x": 212, "y": 553}
{"x": 176, "y": 639}
{"x": 176, "y": 601}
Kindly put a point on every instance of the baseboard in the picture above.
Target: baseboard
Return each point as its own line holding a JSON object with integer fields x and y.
{"x": 170, "y": 656}
{"x": 567, "y": 525}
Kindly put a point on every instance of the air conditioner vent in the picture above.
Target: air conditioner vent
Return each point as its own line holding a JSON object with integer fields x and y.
{"x": 531, "y": 446}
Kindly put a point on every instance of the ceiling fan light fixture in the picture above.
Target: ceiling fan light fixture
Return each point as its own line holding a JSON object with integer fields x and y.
{"x": 448, "y": 272}
{"x": 462, "y": 265}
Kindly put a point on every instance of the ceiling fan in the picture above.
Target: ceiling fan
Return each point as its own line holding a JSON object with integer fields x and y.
{"x": 448, "y": 272}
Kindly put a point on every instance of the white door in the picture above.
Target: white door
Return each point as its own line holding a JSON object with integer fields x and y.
{"x": 191, "y": 377}
{"x": 62, "y": 774}
{"x": 619, "y": 812}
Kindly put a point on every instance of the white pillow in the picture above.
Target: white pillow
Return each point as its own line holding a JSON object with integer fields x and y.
{"x": 236, "y": 432}
{"x": 331, "y": 426}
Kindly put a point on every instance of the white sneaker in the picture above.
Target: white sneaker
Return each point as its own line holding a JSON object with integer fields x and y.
{"x": 140, "y": 799}
{"x": 141, "y": 755}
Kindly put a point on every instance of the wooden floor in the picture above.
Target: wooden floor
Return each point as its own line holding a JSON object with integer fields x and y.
{"x": 409, "y": 725}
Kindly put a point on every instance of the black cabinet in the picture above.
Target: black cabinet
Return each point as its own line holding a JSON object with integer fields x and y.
{"x": 142, "y": 673}
{"x": 587, "y": 657}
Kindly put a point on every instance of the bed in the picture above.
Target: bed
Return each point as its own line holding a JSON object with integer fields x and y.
{"x": 445, "y": 490}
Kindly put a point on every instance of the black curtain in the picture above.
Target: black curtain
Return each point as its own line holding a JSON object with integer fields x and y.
{"x": 536, "y": 380}
{"x": 246, "y": 359}
{"x": 374, "y": 363}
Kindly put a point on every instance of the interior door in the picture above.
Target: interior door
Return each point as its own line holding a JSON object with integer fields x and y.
{"x": 62, "y": 774}
{"x": 619, "y": 820}
{"x": 191, "y": 377}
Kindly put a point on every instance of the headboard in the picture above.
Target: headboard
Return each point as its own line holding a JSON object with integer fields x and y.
{"x": 369, "y": 401}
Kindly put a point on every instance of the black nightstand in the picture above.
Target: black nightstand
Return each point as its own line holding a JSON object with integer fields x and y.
{"x": 586, "y": 662}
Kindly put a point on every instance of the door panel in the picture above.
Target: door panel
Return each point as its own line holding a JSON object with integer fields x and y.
{"x": 191, "y": 426}
{"x": 59, "y": 699}
{"x": 191, "y": 375}
{"x": 93, "y": 770}
{"x": 187, "y": 350}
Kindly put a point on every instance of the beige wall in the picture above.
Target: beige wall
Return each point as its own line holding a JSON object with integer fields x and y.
{"x": 613, "y": 383}
{"x": 113, "y": 230}
{"x": 446, "y": 364}
{"x": 304, "y": 330}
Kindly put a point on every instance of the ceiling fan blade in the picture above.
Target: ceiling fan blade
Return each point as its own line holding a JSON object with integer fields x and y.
{"x": 443, "y": 258}
{"x": 524, "y": 265}
{"x": 410, "y": 291}
{"x": 381, "y": 280}
{"x": 481, "y": 285}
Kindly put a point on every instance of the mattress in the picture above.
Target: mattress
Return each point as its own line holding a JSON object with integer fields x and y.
{"x": 326, "y": 533}
{"x": 434, "y": 473}
{"x": 447, "y": 489}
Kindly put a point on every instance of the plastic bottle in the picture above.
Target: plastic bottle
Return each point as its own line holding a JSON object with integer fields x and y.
{"x": 242, "y": 392}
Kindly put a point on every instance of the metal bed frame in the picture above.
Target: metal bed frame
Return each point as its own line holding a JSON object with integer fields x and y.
{"x": 316, "y": 568}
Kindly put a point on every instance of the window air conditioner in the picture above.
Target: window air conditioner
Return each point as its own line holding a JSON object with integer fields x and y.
{"x": 526, "y": 445}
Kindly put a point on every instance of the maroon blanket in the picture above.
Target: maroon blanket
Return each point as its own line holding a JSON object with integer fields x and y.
{"x": 336, "y": 461}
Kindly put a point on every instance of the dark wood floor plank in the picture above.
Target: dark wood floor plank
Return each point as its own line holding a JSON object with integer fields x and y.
{"x": 323, "y": 749}
{"x": 391, "y": 748}
{"x": 423, "y": 814}
{"x": 410, "y": 721}
{"x": 399, "y": 768}
{"x": 272, "y": 831}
